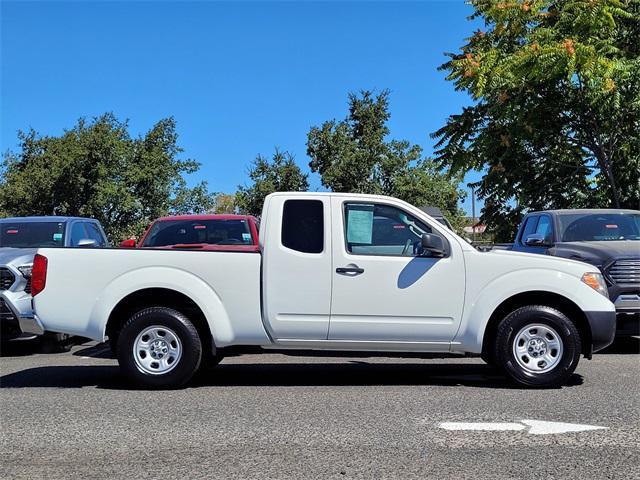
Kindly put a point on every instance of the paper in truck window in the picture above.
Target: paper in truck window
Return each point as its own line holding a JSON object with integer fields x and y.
{"x": 360, "y": 224}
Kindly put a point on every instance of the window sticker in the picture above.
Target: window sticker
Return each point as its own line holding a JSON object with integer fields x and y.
{"x": 360, "y": 224}
{"x": 246, "y": 237}
{"x": 57, "y": 237}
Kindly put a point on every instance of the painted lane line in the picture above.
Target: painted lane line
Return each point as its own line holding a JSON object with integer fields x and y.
{"x": 535, "y": 427}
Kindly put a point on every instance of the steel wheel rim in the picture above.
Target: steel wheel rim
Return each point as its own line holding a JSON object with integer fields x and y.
{"x": 537, "y": 348}
{"x": 157, "y": 350}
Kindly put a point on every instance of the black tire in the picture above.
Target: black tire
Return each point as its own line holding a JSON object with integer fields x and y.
{"x": 514, "y": 323}
{"x": 113, "y": 344}
{"x": 178, "y": 324}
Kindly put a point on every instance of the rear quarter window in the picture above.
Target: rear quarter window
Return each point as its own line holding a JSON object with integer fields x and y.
{"x": 303, "y": 225}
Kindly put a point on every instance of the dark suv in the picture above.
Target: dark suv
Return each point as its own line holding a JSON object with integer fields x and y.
{"x": 606, "y": 238}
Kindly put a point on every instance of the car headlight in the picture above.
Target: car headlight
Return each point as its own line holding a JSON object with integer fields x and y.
{"x": 596, "y": 281}
{"x": 25, "y": 270}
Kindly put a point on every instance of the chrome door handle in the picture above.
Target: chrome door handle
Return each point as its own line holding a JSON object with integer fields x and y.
{"x": 350, "y": 269}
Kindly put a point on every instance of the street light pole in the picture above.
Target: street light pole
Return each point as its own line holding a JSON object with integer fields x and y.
{"x": 473, "y": 213}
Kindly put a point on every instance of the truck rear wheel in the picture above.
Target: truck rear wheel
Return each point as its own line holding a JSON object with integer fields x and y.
{"x": 537, "y": 346}
{"x": 159, "y": 347}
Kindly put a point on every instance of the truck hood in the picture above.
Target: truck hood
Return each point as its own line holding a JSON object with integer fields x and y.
{"x": 597, "y": 253}
{"x": 16, "y": 256}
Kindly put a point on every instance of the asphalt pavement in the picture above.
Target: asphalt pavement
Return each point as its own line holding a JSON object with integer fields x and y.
{"x": 70, "y": 415}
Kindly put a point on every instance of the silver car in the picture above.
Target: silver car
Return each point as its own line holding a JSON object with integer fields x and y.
{"x": 20, "y": 238}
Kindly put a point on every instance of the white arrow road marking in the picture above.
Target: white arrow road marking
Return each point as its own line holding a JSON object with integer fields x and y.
{"x": 536, "y": 427}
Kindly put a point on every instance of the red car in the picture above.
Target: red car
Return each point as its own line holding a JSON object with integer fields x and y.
{"x": 232, "y": 233}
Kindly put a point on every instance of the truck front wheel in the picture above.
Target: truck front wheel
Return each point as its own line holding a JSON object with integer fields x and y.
{"x": 159, "y": 347}
{"x": 537, "y": 346}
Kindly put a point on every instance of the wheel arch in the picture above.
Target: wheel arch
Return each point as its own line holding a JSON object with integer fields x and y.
{"x": 159, "y": 297}
{"x": 538, "y": 297}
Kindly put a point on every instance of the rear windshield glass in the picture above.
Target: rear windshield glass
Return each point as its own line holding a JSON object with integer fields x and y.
{"x": 599, "y": 227}
{"x": 191, "y": 232}
{"x": 32, "y": 234}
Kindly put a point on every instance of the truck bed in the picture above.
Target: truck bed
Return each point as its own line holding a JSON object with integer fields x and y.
{"x": 84, "y": 284}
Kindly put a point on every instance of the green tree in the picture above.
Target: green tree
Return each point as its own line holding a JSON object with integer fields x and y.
{"x": 97, "y": 170}
{"x": 353, "y": 155}
{"x": 281, "y": 174}
{"x": 555, "y": 121}
{"x": 225, "y": 203}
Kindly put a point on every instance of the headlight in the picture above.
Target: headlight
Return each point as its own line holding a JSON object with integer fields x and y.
{"x": 596, "y": 281}
{"x": 25, "y": 270}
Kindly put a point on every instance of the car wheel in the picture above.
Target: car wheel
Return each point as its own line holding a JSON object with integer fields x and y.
{"x": 159, "y": 347}
{"x": 113, "y": 344}
{"x": 537, "y": 346}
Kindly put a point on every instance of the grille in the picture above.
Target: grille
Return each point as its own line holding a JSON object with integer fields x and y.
{"x": 625, "y": 271}
{"x": 6, "y": 278}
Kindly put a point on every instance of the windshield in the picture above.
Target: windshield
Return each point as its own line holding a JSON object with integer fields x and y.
{"x": 32, "y": 234}
{"x": 188, "y": 232}
{"x": 599, "y": 227}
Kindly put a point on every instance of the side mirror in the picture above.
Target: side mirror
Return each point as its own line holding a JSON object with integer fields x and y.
{"x": 87, "y": 243}
{"x": 433, "y": 244}
{"x": 128, "y": 243}
{"x": 535, "y": 240}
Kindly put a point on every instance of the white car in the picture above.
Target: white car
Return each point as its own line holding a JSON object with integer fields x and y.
{"x": 335, "y": 272}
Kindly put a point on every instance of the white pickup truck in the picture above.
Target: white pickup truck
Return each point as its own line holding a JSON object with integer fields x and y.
{"x": 335, "y": 272}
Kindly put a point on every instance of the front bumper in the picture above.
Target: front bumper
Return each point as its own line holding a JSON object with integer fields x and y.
{"x": 628, "y": 324}
{"x": 603, "y": 329}
{"x": 627, "y": 305}
{"x": 16, "y": 316}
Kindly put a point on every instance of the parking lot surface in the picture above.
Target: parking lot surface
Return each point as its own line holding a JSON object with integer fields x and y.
{"x": 70, "y": 415}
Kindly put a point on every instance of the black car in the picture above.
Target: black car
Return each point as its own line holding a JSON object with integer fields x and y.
{"x": 606, "y": 238}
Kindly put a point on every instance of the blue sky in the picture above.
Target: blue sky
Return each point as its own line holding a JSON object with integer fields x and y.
{"x": 240, "y": 77}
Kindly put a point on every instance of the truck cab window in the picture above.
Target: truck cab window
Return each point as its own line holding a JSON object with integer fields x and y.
{"x": 373, "y": 229}
{"x": 303, "y": 225}
{"x": 544, "y": 228}
{"x": 529, "y": 227}
{"x": 77, "y": 233}
{"x": 95, "y": 234}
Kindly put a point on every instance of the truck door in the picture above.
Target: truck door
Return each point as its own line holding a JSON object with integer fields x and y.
{"x": 381, "y": 290}
{"x": 296, "y": 268}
